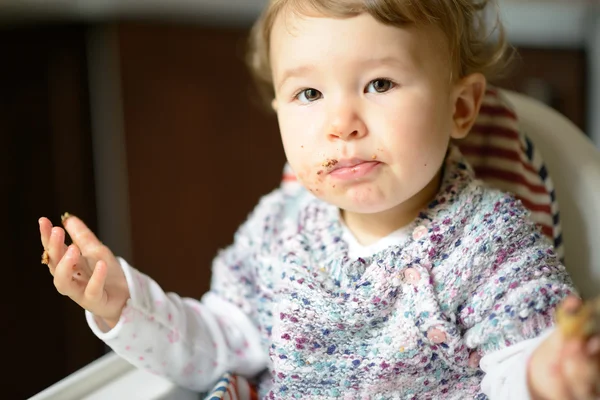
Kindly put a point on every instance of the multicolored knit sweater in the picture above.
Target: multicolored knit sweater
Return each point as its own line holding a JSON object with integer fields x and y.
{"x": 474, "y": 276}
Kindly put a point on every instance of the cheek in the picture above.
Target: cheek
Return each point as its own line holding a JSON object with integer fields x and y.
{"x": 304, "y": 154}
{"x": 306, "y": 164}
{"x": 418, "y": 130}
{"x": 311, "y": 180}
{"x": 313, "y": 175}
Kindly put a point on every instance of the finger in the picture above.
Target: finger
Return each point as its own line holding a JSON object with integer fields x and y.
{"x": 81, "y": 235}
{"x": 45, "y": 231}
{"x": 580, "y": 371}
{"x": 593, "y": 347}
{"x": 593, "y": 351}
{"x": 63, "y": 273}
{"x": 56, "y": 247}
{"x": 95, "y": 287}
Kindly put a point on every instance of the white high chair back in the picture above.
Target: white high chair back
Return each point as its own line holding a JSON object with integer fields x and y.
{"x": 573, "y": 163}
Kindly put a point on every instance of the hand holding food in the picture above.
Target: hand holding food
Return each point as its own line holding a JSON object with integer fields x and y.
{"x": 86, "y": 271}
{"x": 567, "y": 364}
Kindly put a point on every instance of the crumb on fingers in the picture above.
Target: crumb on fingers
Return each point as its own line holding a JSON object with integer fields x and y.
{"x": 45, "y": 257}
{"x": 582, "y": 323}
{"x": 64, "y": 217}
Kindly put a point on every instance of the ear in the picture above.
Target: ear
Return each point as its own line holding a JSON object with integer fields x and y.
{"x": 274, "y": 105}
{"x": 468, "y": 96}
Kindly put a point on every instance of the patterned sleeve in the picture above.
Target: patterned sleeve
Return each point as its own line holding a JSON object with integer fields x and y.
{"x": 517, "y": 280}
{"x": 235, "y": 268}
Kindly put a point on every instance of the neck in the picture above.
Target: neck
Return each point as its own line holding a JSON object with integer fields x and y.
{"x": 369, "y": 228}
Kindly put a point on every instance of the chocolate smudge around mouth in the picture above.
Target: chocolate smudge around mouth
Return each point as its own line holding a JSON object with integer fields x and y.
{"x": 329, "y": 163}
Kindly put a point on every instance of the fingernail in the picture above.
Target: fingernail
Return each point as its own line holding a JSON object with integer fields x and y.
{"x": 64, "y": 217}
{"x": 571, "y": 304}
{"x": 73, "y": 252}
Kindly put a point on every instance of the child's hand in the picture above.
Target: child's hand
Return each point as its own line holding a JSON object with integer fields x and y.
{"x": 566, "y": 366}
{"x": 86, "y": 271}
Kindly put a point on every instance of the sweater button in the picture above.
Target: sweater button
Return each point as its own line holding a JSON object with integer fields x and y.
{"x": 411, "y": 275}
{"x": 436, "y": 335}
{"x": 420, "y": 232}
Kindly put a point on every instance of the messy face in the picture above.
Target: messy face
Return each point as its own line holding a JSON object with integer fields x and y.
{"x": 365, "y": 109}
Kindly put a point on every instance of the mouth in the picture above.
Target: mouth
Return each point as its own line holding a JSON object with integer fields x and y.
{"x": 351, "y": 169}
{"x": 335, "y": 165}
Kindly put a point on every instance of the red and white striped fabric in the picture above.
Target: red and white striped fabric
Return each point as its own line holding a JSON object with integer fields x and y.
{"x": 503, "y": 157}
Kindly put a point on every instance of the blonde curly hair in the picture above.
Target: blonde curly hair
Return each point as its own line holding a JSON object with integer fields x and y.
{"x": 462, "y": 21}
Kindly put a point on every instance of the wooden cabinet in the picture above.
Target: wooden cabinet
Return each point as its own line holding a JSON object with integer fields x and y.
{"x": 556, "y": 77}
{"x": 200, "y": 151}
{"x": 46, "y": 169}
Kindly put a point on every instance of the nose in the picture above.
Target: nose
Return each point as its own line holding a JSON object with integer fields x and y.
{"x": 346, "y": 123}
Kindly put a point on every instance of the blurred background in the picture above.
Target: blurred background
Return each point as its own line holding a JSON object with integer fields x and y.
{"x": 140, "y": 117}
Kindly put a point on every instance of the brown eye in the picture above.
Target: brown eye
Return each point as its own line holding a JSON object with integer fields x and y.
{"x": 380, "y": 86}
{"x": 309, "y": 95}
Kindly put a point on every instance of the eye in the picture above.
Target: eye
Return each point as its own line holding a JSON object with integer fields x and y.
{"x": 309, "y": 95}
{"x": 380, "y": 85}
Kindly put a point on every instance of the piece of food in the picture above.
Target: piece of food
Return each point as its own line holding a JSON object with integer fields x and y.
{"x": 45, "y": 257}
{"x": 581, "y": 323}
{"x": 329, "y": 163}
{"x": 64, "y": 217}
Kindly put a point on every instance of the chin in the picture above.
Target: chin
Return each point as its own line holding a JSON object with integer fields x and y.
{"x": 364, "y": 207}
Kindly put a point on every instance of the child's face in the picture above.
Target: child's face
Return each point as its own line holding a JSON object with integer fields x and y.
{"x": 366, "y": 111}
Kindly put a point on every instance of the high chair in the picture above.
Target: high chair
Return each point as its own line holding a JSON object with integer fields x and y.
{"x": 573, "y": 162}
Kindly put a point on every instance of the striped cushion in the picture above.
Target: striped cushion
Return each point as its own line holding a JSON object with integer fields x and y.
{"x": 232, "y": 387}
{"x": 503, "y": 157}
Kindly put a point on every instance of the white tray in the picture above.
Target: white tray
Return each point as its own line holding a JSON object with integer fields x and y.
{"x": 112, "y": 378}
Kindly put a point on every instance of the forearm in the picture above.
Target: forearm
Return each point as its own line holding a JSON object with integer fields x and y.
{"x": 184, "y": 340}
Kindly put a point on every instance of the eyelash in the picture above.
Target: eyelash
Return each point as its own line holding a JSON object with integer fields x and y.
{"x": 393, "y": 84}
{"x": 391, "y": 81}
{"x": 299, "y": 92}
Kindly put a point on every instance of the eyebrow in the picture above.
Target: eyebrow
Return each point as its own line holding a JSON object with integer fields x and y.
{"x": 295, "y": 72}
{"x": 391, "y": 61}
{"x": 305, "y": 69}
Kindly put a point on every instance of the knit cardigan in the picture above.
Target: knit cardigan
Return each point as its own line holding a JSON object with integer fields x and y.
{"x": 473, "y": 276}
{"x": 412, "y": 321}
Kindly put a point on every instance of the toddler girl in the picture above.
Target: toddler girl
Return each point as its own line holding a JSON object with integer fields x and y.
{"x": 393, "y": 274}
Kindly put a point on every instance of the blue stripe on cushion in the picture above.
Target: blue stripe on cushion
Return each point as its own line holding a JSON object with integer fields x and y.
{"x": 529, "y": 148}
{"x": 556, "y": 219}
{"x": 543, "y": 172}
{"x": 558, "y": 241}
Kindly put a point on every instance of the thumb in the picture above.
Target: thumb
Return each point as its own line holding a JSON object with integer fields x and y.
{"x": 80, "y": 234}
{"x": 569, "y": 317}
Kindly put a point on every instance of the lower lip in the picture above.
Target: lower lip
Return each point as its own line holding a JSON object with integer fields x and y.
{"x": 356, "y": 172}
